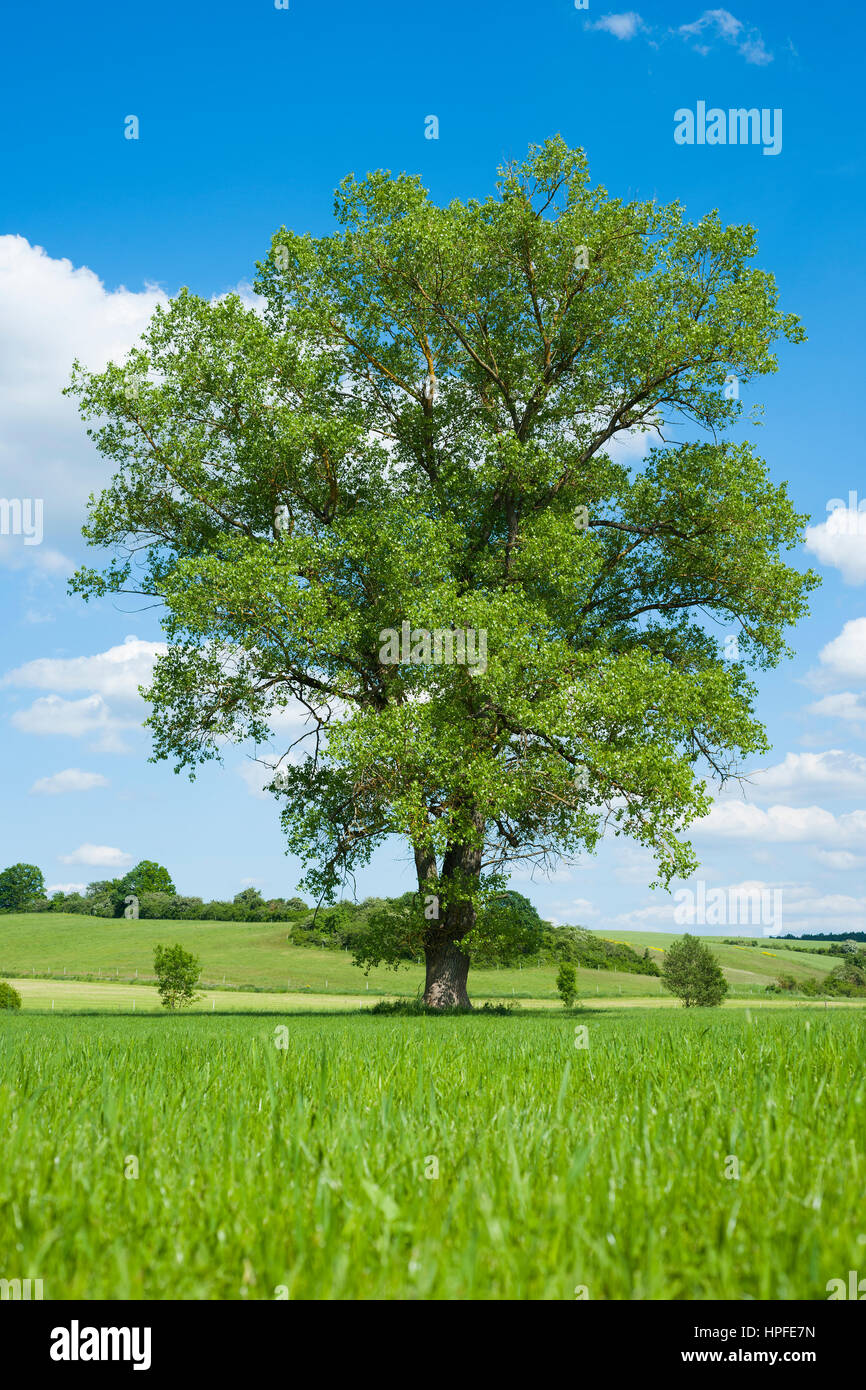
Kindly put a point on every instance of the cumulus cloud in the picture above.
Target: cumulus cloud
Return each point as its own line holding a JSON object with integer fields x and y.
{"x": 257, "y": 773}
{"x": 839, "y": 542}
{"x": 113, "y": 675}
{"x": 622, "y": 26}
{"x": 835, "y": 772}
{"x": 53, "y": 312}
{"x": 737, "y": 820}
{"x": 98, "y": 856}
{"x": 116, "y": 673}
{"x": 846, "y": 705}
{"x": 66, "y": 888}
{"x": 841, "y": 859}
{"x": 845, "y": 657}
{"x": 72, "y": 779}
{"x": 90, "y": 717}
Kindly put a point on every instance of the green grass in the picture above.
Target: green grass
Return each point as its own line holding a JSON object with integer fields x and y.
{"x": 118, "y": 997}
{"x": 559, "y": 1167}
{"x": 246, "y": 955}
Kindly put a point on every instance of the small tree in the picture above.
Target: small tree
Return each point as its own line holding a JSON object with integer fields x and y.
{"x": 9, "y": 997}
{"x": 177, "y": 974}
{"x": 20, "y": 884}
{"x": 249, "y": 897}
{"x": 692, "y": 972}
{"x": 566, "y": 984}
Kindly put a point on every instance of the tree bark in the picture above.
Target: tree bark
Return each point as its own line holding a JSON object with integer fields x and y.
{"x": 447, "y": 973}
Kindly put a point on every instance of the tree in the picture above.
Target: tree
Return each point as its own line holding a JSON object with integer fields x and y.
{"x": 147, "y": 877}
{"x": 249, "y": 897}
{"x": 692, "y": 972}
{"x": 566, "y": 984}
{"x": 391, "y": 498}
{"x": 177, "y": 973}
{"x": 9, "y": 996}
{"x": 20, "y": 884}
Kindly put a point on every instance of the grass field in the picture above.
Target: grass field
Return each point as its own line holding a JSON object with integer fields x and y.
{"x": 88, "y": 997}
{"x": 560, "y": 1168}
{"x": 252, "y": 954}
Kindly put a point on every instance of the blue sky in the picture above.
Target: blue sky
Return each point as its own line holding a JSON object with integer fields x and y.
{"x": 248, "y": 118}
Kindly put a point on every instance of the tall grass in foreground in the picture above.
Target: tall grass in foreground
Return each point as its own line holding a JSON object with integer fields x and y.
{"x": 558, "y": 1167}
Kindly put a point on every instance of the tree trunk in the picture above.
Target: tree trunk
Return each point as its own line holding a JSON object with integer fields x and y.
{"x": 447, "y": 972}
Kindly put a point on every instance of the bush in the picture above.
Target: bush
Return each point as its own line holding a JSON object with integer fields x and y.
{"x": 169, "y": 907}
{"x": 9, "y": 997}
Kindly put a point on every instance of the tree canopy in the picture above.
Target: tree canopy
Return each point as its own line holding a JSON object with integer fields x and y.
{"x": 418, "y": 423}
{"x": 20, "y": 884}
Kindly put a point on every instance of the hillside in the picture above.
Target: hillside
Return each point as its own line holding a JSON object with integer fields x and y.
{"x": 259, "y": 956}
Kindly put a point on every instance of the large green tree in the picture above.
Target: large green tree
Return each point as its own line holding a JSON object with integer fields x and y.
{"x": 20, "y": 884}
{"x": 416, "y": 424}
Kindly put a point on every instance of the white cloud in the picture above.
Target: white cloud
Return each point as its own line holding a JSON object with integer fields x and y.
{"x": 53, "y": 312}
{"x": 829, "y": 904}
{"x": 845, "y": 706}
{"x": 72, "y": 779}
{"x": 88, "y": 717}
{"x": 102, "y": 856}
{"x": 840, "y": 859}
{"x": 736, "y": 820}
{"x": 116, "y": 673}
{"x": 845, "y": 656}
{"x": 641, "y": 917}
{"x": 257, "y": 773}
{"x": 622, "y": 26}
{"x": 700, "y": 33}
{"x": 583, "y": 907}
{"x": 839, "y": 542}
{"x": 835, "y": 771}
{"x": 66, "y": 888}
{"x": 721, "y": 24}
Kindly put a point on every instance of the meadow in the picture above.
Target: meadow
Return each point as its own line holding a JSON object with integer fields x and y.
{"x": 250, "y": 955}
{"x": 477, "y": 1157}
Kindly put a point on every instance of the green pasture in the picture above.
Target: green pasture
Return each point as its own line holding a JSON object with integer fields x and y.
{"x": 261, "y": 956}
{"x": 678, "y": 1154}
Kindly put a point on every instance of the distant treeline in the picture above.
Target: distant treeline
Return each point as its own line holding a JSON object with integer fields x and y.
{"x": 822, "y": 936}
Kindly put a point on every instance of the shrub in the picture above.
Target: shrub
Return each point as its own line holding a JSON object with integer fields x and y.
{"x": 9, "y": 997}
{"x": 414, "y": 1008}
